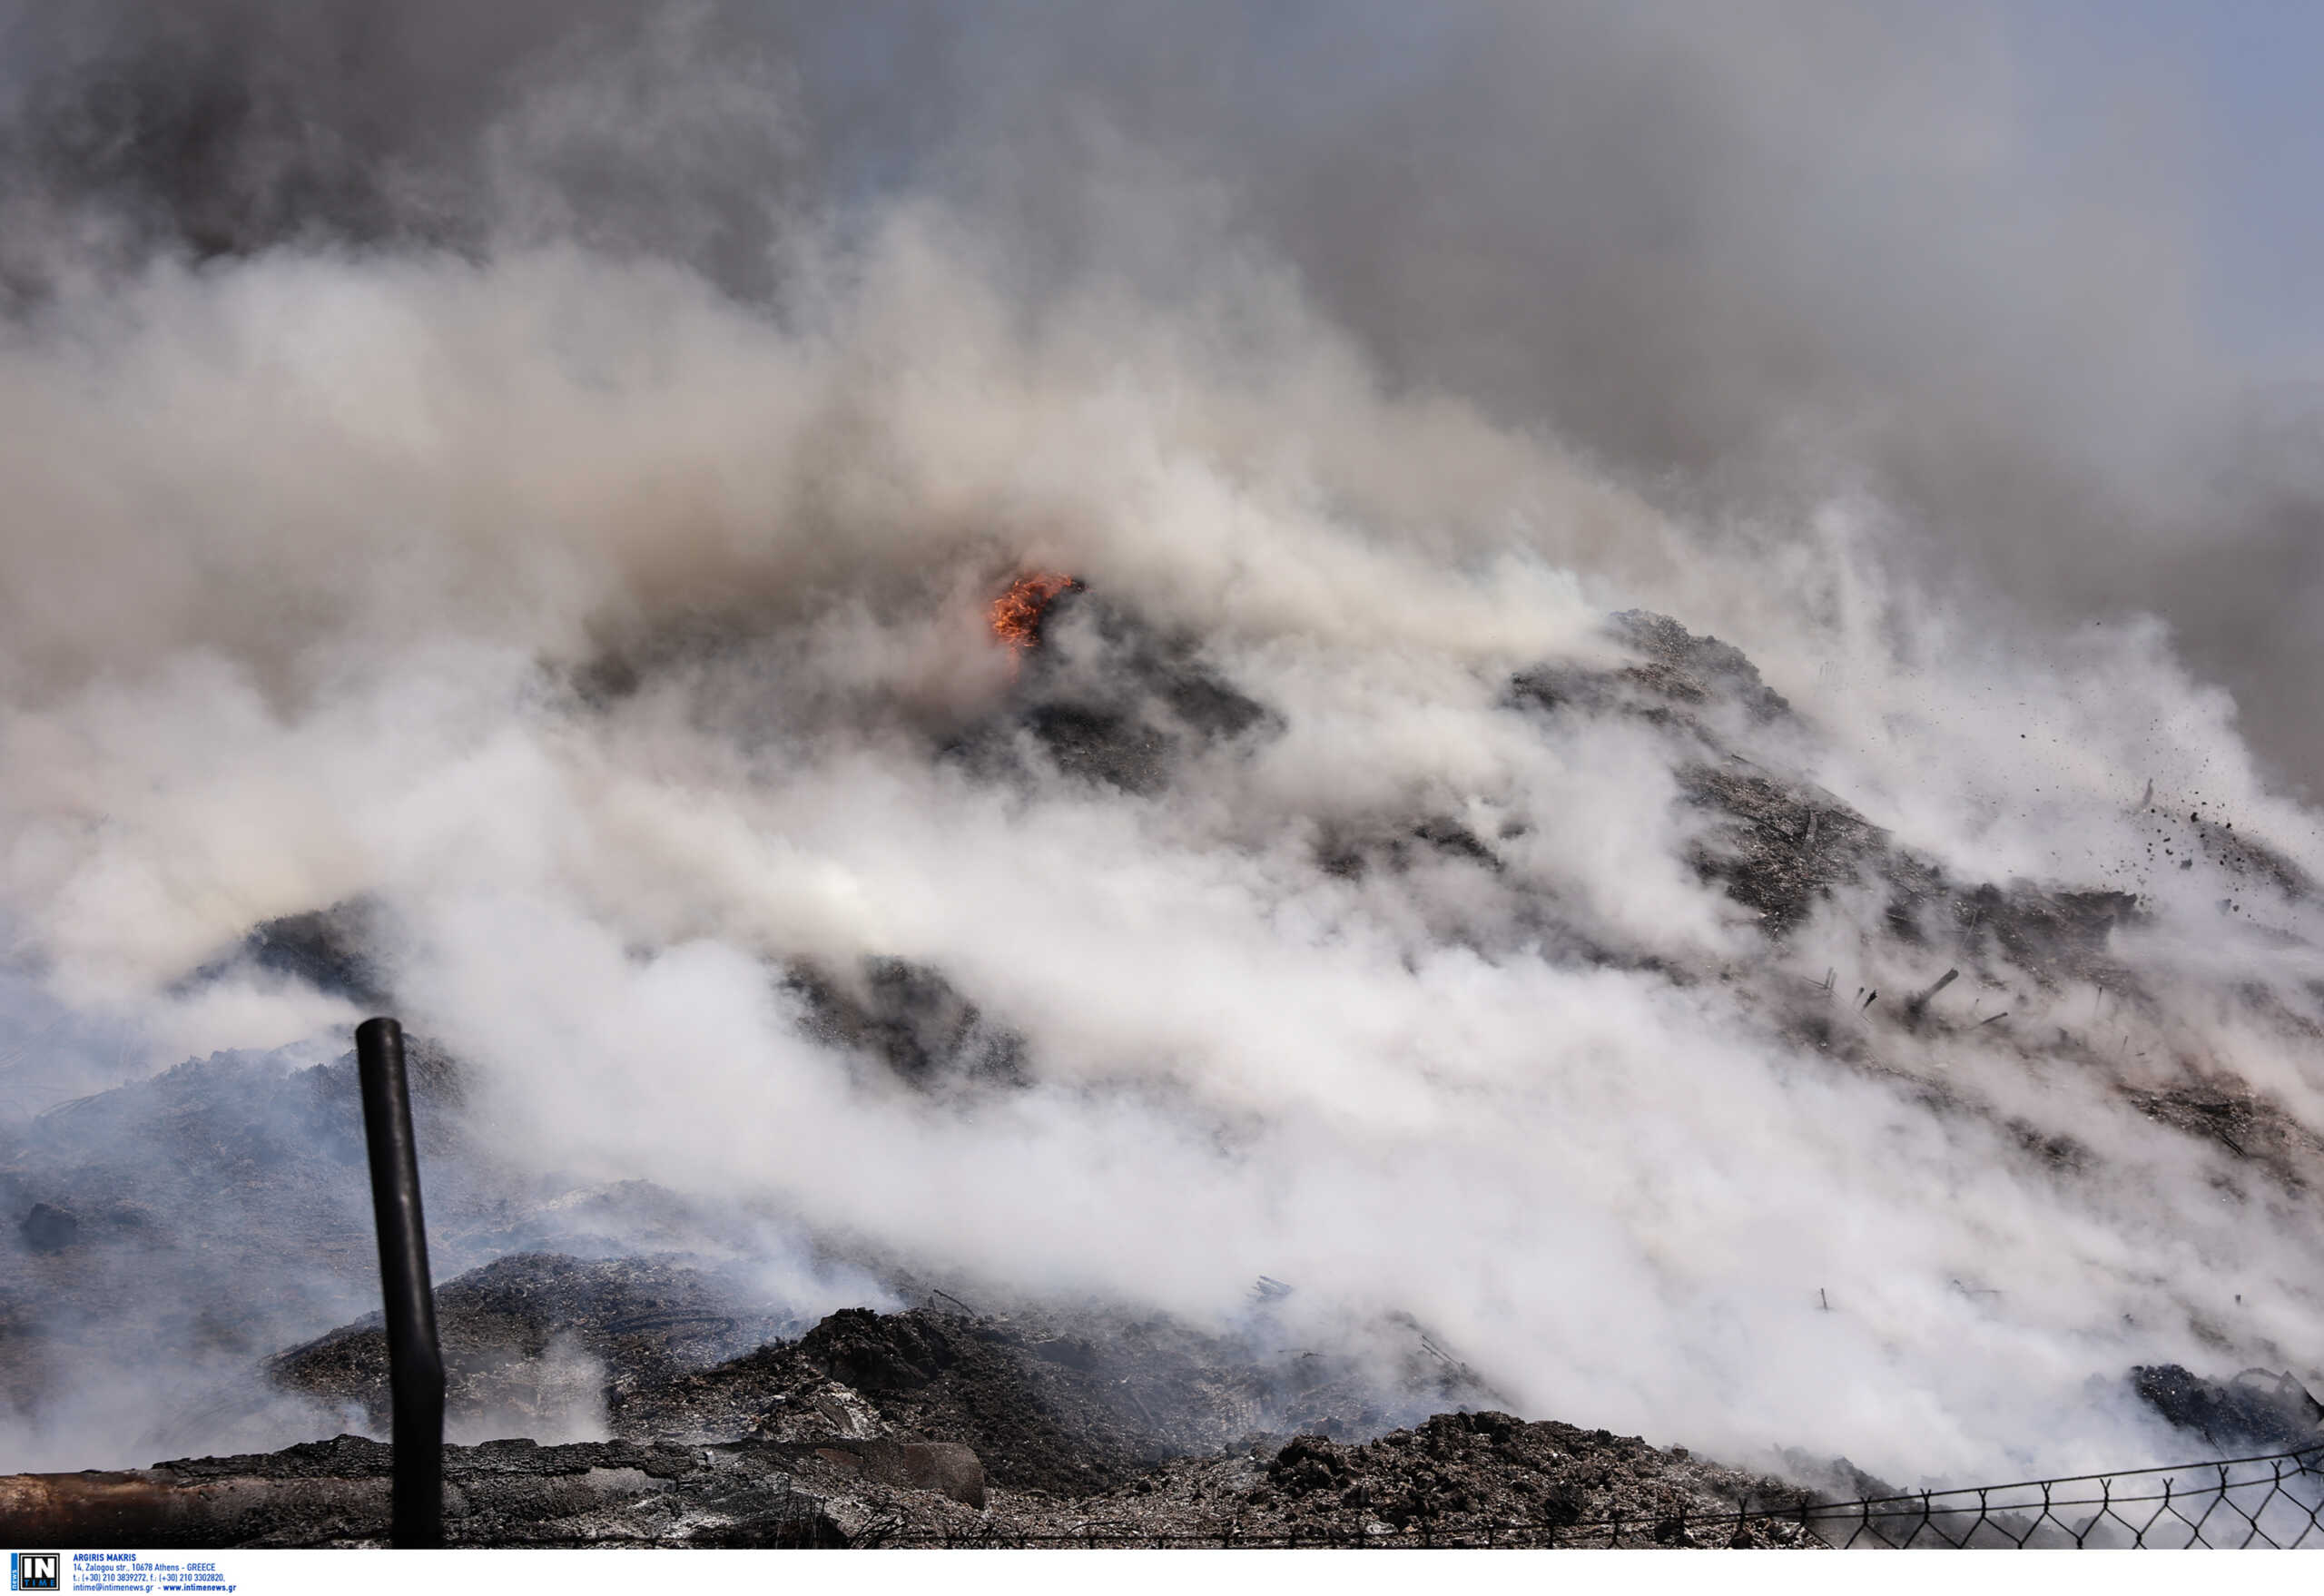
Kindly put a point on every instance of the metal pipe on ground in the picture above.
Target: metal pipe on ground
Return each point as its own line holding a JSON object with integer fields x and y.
{"x": 415, "y": 1362}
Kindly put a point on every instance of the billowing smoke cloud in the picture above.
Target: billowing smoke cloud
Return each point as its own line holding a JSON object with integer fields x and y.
{"x": 1746, "y": 257}
{"x": 544, "y": 481}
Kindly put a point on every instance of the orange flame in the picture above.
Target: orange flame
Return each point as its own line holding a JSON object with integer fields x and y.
{"x": 1017, "y": 613}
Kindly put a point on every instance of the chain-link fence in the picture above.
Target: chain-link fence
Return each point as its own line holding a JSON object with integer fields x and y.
{"x": 2275, "y": 1500}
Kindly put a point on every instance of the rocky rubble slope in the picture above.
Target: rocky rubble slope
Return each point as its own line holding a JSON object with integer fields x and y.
{"x": 239, "y": 1178}
{"x": 929, "y": 1428}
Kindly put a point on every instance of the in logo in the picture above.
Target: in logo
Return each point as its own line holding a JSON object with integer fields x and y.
{"x": 36, "y": 1570}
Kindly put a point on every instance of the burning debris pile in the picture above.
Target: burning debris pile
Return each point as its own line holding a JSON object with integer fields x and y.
{"x": 1103, "y": 697}
{"x": 606, "y": 1396}
{"x": 1017, "y": 613}
{"x": 933, "y": 703}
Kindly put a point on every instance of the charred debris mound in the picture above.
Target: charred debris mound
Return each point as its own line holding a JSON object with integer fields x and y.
{"x": 1779, "y": 845}
{"x": 2259, "y": 1411}
{"x": 1068, "y": 1403}
{"x": 668, "y": 1402}
{"x": 944, "y": 1426}
{"x": 935, "y": 1425}
{"x": 1105, "y": 697}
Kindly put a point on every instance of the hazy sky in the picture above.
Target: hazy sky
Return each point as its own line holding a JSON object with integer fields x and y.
{"x": 2244, "y": 74}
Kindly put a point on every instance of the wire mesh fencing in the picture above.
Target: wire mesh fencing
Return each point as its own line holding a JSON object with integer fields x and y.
{"x": 2274, "y": 1501}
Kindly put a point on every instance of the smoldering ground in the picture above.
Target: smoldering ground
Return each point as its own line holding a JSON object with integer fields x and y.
{"x": 565, "y": 521}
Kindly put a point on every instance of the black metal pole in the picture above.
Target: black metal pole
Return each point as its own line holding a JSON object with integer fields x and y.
{"x": 415, "y": 1362}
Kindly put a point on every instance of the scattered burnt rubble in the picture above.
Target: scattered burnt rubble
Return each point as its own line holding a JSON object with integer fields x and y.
{"x": 1036, "y": 1422}
{"x": 1100, "y": 743}
{"x": 1351, "y": 853}
{"x": 1459, "y": 1476}
{"x": 944, "y": 1425}
{"x": 2177, "y": 841}
{"x": 910, "y": 1019}
{"x": 899, "y": 1429}
{"x": 2226, "y": 1112}
{"x": 1472, "y": 1478}
{"x": 1065, "y": 1410}
{"x": 1107, "y": 698}
{"x": 1779, "y": 845}
{"x": 2259, "y": 1411}
{"x": 1084, "y": 635}
{"x": 1781, "y": 848}
{"x": 1680, "y": 666}
{"x": 1066, "y": 1404}
{"x": 1677, "y": 674}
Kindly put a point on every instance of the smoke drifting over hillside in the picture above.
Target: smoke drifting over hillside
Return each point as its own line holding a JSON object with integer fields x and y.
{"x": 543, "y": 474}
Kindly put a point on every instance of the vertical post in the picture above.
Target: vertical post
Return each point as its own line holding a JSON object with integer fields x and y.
{"x": 415, "y": 1362}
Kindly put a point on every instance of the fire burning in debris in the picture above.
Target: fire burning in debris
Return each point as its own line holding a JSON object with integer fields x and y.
{"x": 1017, "y": 613}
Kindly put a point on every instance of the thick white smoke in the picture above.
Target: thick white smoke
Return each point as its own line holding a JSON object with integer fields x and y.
{"x": 319, "y": 558}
